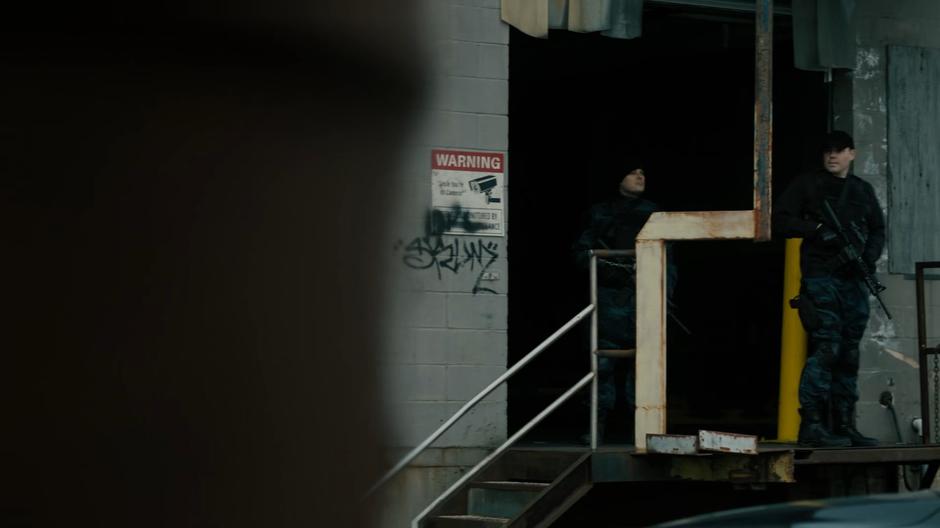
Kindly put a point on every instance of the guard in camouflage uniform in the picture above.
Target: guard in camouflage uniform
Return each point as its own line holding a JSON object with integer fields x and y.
{"x": 614, "y": 224}
{"x": 833, "y": 301}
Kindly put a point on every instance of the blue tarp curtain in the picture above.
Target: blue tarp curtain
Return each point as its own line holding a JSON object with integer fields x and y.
{"x": 823, "y": 30}
{"x": 823, "y": 34}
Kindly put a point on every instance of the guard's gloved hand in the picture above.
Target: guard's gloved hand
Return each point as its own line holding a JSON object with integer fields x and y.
{"x": 612, "y": 276}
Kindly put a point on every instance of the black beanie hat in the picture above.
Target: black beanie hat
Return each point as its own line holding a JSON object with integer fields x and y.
{"x": 621, "y": 165}
{"x": 837, "y": 140}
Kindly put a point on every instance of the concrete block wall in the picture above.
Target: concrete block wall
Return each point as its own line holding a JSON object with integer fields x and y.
{"x": 890, "y": 347}
{"x": 447, "y": 323}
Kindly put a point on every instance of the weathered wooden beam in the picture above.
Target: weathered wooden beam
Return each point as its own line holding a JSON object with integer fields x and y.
{"x": 650, "y": 339}
{"x": 651, "y": 301}
{"x": 699, "y": 225}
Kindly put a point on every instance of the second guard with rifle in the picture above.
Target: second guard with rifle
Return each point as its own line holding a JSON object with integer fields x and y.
{"x": 843, "y": 229}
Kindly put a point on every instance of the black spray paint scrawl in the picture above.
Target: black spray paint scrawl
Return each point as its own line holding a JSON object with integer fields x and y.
{"x": 455, "y": 256}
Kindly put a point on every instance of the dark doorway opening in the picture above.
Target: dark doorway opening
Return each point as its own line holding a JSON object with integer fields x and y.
{"x": 682, "y": 98}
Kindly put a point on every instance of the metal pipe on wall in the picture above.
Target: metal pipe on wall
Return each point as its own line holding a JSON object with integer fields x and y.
{"x": 763, "y": 117}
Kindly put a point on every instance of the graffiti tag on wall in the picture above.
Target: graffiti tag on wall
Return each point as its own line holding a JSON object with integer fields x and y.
{"x": 452, "y": 256}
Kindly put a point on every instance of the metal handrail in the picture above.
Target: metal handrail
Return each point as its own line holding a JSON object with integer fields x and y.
{"x": 505, "y": 445}
{"x": 613, "y": 253}
{"x": 482, "y": 394}
{"x": 589, "y": 377}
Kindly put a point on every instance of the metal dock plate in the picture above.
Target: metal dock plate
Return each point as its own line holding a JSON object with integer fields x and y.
{"x": 671, "y": 444}
{"x": 719, "y": 442}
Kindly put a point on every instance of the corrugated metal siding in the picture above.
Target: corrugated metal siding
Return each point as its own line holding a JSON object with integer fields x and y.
{"x": 913, "y": 156}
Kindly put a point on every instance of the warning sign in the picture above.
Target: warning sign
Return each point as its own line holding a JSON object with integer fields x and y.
{"x": 467, "y": 192}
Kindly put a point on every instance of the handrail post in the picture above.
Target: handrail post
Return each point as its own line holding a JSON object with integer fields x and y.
{"x": 594, "y": 387}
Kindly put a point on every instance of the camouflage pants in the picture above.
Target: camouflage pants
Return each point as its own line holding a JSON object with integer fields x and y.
{"x": 607, "y": 385}
{"x": 831, "y": 370}
{"x": 616, "y": 329}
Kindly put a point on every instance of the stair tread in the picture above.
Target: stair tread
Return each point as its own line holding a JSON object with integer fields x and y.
{"x": 473, "y": 518}
{"x": 510, "y": 485}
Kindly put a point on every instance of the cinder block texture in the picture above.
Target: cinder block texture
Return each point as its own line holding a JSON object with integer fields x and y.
{"x": 412, "y": 422}
{"x": 466, "y": 381}
{"x": 478, "y": 3}
{"x": 460, "y": 347}
{"x": 417, "y": 382}
{"x": 449, "y": 129}
{"x": 494, "y": 61}
{"x": 422, "y": 309}
{"x": 472, "y": 59}
{"x": 443, "y": 456}
{"x": 477, "y": 24}
{"x": 477, "y": 311}
{"x": 484, "y": 426}
{"x": 450, "y": 304}
{"x": 473, "y": 94}
{"x": 399, "y": 346}
{"x": 493, "y": 132}
{"x": 461, "y": 58}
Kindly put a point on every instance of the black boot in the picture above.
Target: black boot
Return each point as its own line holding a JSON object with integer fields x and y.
{"x": 845, "y": 426}
{"x": 814, "y": 434}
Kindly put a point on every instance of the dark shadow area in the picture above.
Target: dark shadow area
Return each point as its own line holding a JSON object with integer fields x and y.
{"x": 619, "y": 505}
{"x": 646, "y": 503}
{"x": 682, "y": 98}
{"x": 186, "y": 340}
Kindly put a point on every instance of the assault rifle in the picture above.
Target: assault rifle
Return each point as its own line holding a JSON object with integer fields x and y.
{"x": 848, "y": 248}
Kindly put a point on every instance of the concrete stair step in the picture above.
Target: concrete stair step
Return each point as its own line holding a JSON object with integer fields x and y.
{"x": 531, "y": 464}
{"x": 467, "y": 521}
{"x": 502, "y": 498}
{"x": 528, "y": 486}
{"x": 510, "y": 485}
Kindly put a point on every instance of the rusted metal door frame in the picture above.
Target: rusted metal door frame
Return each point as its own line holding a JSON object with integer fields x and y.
{"x": 703, "y": 225}
{"x": 923, "y": 350}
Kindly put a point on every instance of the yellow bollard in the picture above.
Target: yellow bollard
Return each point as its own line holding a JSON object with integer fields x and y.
{"x": 792, "y": 348}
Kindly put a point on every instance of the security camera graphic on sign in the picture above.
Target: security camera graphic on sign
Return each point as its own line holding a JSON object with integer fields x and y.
{"x": 485, "y": 185}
